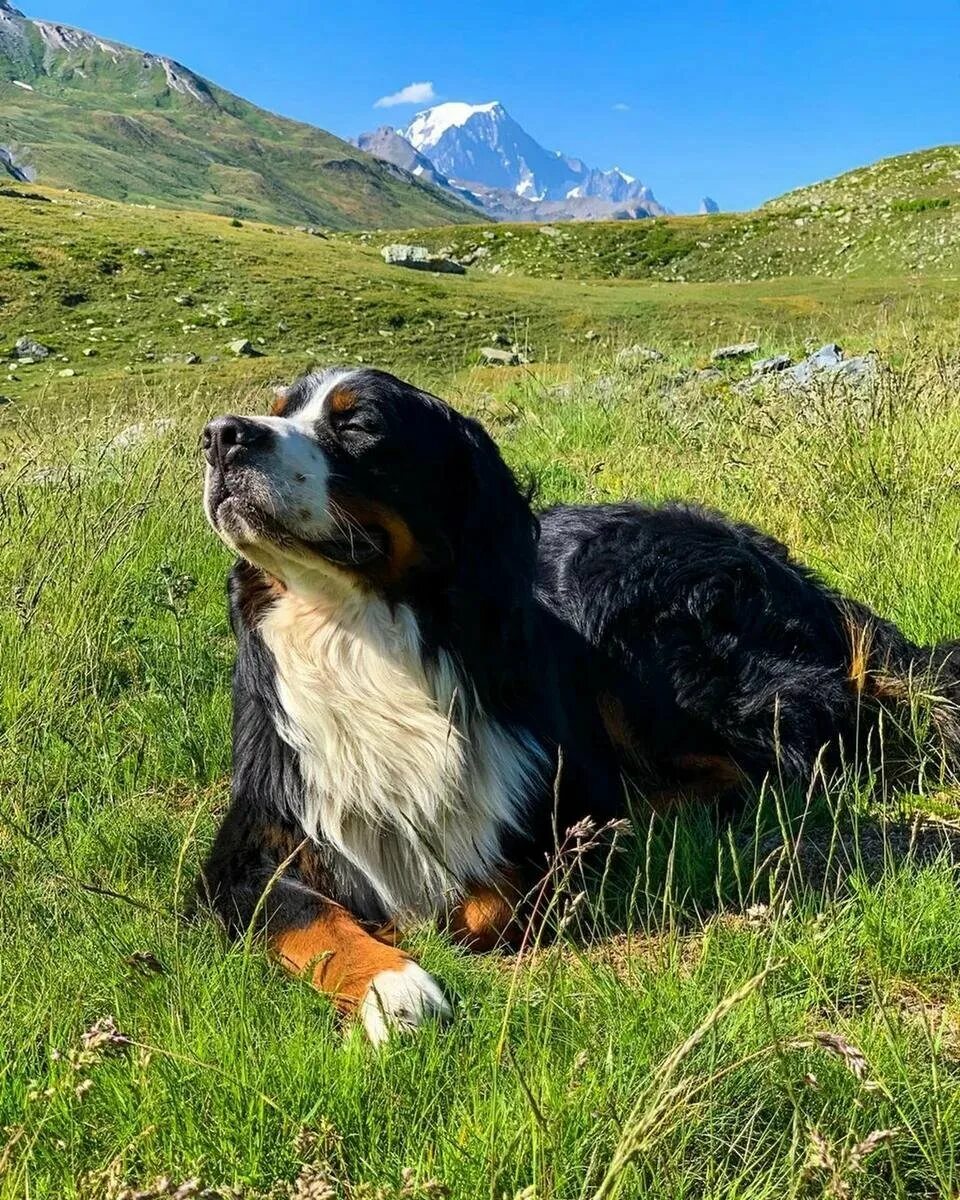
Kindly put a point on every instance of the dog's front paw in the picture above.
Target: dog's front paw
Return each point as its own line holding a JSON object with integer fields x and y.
{"x": 399, "y": 1000}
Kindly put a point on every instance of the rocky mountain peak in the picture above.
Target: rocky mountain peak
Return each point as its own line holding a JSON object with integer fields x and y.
{"x": 481, "y": 144}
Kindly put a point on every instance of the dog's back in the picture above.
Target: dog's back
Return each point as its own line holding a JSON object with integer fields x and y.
{"x": 720, "y": 649}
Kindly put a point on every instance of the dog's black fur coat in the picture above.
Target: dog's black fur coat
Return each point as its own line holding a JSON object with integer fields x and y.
{"x": 667, "y": 644}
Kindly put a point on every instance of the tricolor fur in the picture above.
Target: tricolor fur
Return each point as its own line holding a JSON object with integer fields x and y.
{"x": 431, "y": 681}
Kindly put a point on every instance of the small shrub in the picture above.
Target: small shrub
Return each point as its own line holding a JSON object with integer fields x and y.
{"x": 921, "y": 204}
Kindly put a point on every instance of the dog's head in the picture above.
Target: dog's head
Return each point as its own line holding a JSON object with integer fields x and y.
{"x": 358, "y": 479}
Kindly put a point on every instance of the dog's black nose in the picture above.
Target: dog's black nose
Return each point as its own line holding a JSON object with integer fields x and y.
{"x": 227, "y": 437}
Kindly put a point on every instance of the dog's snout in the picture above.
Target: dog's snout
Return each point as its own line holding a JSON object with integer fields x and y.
{"x": 227, "y": 437}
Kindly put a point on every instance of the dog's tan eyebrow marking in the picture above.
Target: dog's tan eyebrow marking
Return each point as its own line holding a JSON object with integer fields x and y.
{"x": 341, "y": 399}
{"x": 281, "y": 398}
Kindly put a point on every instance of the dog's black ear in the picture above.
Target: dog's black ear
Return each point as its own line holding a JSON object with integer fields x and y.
{"x": 495, "y": 554}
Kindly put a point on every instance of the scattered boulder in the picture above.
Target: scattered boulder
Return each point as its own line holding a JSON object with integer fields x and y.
{"x": 709, "y": 375}
{"x": 829, "y": 362}
{"x": 858, "y": 368}
{"x": 740, "y": 350}
{"x": 473, "y": 256}
{"x": 637, "y": 354}
{"x": 184, "y": 301}
{"x": 26, "y": 348}
{"x": 494, "y": 357}
{"x": 189, "y": 360}
{"x": 770, "y": 366}
{"x": 142, "y": 252}
{"x": 243, "y": 348}
{"x": 419, "y": 258}
{"x": 142, "y": 431}
{"x": 67, "y": 373}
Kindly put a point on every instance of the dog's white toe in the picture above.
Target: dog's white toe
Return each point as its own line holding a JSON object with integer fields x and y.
{"x": 399, "y": 1000}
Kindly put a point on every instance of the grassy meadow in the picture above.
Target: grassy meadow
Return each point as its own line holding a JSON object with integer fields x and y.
{"x": 768, "y": 1007}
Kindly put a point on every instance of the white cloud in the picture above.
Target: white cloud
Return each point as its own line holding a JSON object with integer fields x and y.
{"x": 413, "y": 93}
{"x": 621, "y": 107}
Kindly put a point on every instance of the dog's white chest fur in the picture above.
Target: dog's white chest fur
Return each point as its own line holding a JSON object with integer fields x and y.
{"x": 409, "y": 790}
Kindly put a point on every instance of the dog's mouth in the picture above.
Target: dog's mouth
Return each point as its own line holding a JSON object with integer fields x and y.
{"x": 241, "y": 519}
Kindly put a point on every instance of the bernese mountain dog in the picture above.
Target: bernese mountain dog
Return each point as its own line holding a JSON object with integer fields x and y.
{"x": 431, "y": 680}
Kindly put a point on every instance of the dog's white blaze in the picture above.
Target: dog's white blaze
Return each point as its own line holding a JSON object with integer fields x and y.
{"x": 409, "y": 789}
{"x": 326, "y": 383}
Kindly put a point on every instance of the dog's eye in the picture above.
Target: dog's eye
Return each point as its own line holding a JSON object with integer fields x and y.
{"x": 355, "y": 420}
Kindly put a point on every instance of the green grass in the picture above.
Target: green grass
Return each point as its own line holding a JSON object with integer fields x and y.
{"x": 608, "y": 1068}
{"x": 114, "y": 663}
{"x": 69, "y": 277}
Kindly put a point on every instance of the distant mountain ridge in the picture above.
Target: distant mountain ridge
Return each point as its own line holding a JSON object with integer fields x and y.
{"x": 79, "y": 110}
{"x": 481, "y": 152}
{"x": 482, "y": 143}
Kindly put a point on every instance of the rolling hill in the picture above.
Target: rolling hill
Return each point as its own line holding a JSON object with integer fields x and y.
{"x": 899, "y": 216}
{"x": 118, "y": 291}
{"x": 77, "y": 110}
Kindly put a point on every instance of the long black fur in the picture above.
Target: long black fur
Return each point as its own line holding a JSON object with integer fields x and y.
{"x": 665, "y": 644}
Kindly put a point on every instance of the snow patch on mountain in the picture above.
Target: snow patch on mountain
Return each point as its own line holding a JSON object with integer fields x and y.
{"x": 481, "y": 144}
{"x": 428, "y": 127}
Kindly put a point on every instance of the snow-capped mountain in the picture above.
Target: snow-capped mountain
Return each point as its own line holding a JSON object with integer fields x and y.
{"x": 483, "y": 144}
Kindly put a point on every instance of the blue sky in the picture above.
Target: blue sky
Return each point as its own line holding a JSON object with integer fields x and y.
{"x": 740, "y": 101}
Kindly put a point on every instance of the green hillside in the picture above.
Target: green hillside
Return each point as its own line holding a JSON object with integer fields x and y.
{"x": 900, "y": 216}
{"x": 83, "y": 112}
{"x": 116, "y": 290}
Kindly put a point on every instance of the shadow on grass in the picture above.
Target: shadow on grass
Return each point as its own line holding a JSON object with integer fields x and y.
{"x": 673, "y": 871}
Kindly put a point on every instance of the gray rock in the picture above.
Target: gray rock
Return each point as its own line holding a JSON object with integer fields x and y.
{"x": 500, "y": 358}
{"x": 710, "y": 375}
{"x": 142, "y": 252}
{"x": 740, "y": 350}
{"x": 828, "y": 362}
{"x": 830, "y": 355}
{"x": 419, "y": 258}
{"x": 243, "y": 348}
{"x": 770, "y": 366}
{"x": 67, "y": 373}
{"x": 184, "y": 301}
{"x": 856, "y": 369}
{"x": 474, "y": 255}
{"x": 27, "y": 348}
{"x": 142, "y": 431}
{"x": 636, "y": 354}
